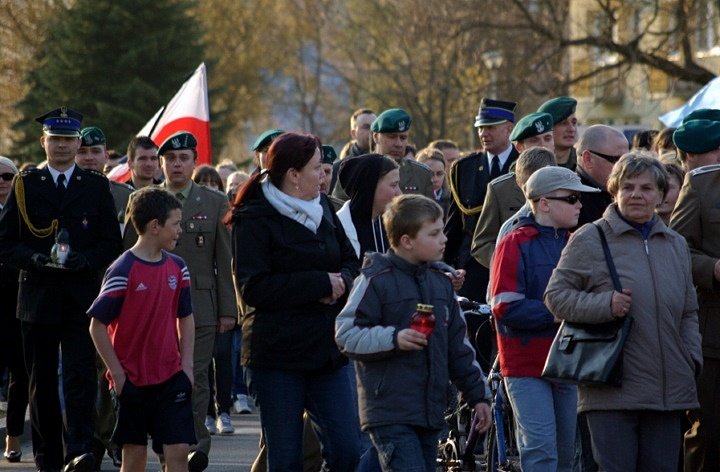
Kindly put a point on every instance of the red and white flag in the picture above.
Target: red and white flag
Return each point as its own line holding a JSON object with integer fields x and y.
{"x": 188, "y": 110}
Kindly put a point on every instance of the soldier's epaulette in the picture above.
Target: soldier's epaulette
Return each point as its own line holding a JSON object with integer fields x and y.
{"x": 419, "y": 164}
{"x": 95, "y": 173}
{"x": 704, "y": 170}
{"x": 508, "y": 176}
{"x": 213, "y": 191}
{"x": 122, "y": 184}
{"x": 31, "y": 171}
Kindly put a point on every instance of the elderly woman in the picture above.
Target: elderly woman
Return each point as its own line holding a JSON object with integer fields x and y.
{"x": 11, "y": 355}
{"x": 294, "y": 265}
{"x": 635, "y": 427}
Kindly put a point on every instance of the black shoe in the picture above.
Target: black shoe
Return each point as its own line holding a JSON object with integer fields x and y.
{"x": 13, "y": 456}
{"x": 197, "y": 461}
{"x": 116, "y": 456}
{"x": 82, "y": 463}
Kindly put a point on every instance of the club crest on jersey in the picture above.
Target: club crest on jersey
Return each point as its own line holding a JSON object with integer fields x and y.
{"x": 172, "y": 282}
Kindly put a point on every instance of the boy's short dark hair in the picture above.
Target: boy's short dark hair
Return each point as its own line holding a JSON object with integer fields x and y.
{"x": 406, "y": 215}
{"x": 151, "y": 203}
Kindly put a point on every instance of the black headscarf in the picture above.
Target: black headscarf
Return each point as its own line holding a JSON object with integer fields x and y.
{"x": 359, "y": 177}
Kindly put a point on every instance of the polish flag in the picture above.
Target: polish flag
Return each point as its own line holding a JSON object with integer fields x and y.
{"x": 187, "y": 111}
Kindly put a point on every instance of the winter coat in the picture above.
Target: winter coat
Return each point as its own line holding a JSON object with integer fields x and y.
{"x": 281, "y": 270}
{"x": 521, "y": 268}
{"x": 662, "y": 354}
{"x": 405, "y": 387}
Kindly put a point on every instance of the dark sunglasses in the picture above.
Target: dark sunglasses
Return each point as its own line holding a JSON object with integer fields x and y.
{"x": 7, "y": 176}
{"x": 571, "y": 199}
{"x": 607, "y": 157}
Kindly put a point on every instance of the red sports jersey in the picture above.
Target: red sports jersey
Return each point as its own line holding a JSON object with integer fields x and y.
{"x": 140, "y": 302}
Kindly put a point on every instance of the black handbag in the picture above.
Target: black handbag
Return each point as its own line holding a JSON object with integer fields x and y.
{"x": 590, "y": 354}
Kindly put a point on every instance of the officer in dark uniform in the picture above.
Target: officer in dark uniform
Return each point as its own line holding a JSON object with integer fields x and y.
{"x": 52, "y": 301}
{"x": 468, "y": 178}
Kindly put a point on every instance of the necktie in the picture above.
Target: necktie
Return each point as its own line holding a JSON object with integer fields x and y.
{"x": 61, "y": 186}
{"x": 495, "y": 169}
{"x": 180, "y": 197}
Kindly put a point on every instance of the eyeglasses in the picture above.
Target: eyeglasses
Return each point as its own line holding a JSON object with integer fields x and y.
{"x": 571, "y": 199}
{"x": 7, "y": 176}
{"x": 607, "y": 157}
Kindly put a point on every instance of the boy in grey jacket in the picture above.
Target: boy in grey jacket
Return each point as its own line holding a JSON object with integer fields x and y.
{"x": 402, "y": 373}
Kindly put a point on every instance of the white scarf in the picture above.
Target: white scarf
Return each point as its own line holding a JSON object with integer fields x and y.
{"x": 308, "y": 213}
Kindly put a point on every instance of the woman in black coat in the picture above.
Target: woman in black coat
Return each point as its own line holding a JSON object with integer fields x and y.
{"x": 294, "y": 266}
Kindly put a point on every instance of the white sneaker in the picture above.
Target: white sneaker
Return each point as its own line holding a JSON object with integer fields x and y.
{"x": 224, "y": 424}
{"x": 210, "y": 425}
{"x": 241, "y": 405}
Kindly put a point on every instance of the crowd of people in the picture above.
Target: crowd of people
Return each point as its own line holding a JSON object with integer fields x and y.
{"x": 322, "y": 290}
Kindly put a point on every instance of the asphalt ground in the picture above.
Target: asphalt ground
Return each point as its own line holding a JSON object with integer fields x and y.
{"x": 234, "y": 452}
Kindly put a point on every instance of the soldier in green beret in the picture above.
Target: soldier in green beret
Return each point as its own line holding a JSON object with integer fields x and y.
{"x": 93, "y": 154}
{"x": 535, "y": 129}
{"x": 261, "y": 146}
{"x": 565, "y": 134}
{"x": 329, "y": 156}
{"x": 712, "y": 114}
{"x": 699, "y": 141}
{"x": 694, "y": 217}
{"x": 390, "y": 132}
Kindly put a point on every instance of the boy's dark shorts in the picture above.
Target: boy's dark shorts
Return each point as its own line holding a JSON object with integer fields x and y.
{"x": 163, "y": 411}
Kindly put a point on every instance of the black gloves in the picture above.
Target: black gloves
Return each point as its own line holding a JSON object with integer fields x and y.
{"x": 39, "y": 260}
{"x": 76, "y": 262}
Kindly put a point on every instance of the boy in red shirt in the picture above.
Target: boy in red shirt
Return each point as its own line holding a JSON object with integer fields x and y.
{"x": 143, "y": 328}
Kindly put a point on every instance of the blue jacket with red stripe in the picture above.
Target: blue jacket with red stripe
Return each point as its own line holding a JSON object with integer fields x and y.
{"x": 521, "y": 269}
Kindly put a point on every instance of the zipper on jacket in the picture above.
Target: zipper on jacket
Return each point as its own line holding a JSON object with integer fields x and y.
{"x": 657, "y": 326}
{"x": 647, "y": 251}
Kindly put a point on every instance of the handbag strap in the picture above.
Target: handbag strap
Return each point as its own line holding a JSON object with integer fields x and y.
{"x": 609, "y": 259}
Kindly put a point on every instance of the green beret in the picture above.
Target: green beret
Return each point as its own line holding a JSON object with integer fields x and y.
{"x": 178, "y": 141}
{"x": 92, "y": 136}
{"x": 394, "y": 120}
{"x": 559, "y": 107}
{"x": 328, "y": 154}
{"x": 697, "y": 136}
{"x": 531, "y": 125}
{"x": 266, "y": 138}
{"x": 711, "y": 114}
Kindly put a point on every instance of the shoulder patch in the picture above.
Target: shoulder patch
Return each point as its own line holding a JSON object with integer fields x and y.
{"x": 32, "y": 171}
{"x": 704, "y": 170}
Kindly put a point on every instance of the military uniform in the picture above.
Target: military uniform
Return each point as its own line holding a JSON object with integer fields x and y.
{"x": 697, "y": 218}
{"x": 503, "y": 199}
{"x": 415, "y": 178}
{"x": 52, "y": 303}
{"x": 121, "y": 195}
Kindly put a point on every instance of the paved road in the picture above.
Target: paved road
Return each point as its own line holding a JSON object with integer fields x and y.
{"x": 229, "y": 453}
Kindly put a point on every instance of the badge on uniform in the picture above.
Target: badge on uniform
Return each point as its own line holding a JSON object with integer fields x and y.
{"x": 85, "y": 222}
{"x": 200, "y": 240}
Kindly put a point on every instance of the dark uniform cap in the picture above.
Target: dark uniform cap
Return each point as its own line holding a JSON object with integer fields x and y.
{"x": 266, "y": 138}
{"x": 711, "y": 114}
{"x": 494, "y": 112}
{"x": 394, "y": 120}
{"x": 559, "y": 107}
{"x": 328, "y": 154}
{"x": 92, "y": 136}
{"x": 61, "y": 122}
{"x": 531, "y": 125}
{"x": 178, "y": 141}
{"x": 697, "y": 136}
